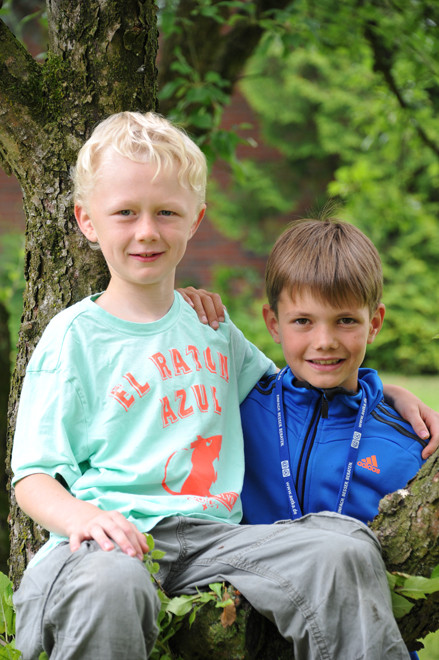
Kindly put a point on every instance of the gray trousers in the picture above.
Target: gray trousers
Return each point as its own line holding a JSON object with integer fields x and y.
{"x": 321, "y": 579}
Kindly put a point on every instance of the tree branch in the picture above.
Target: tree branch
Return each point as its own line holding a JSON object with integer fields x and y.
{"x": 383, "y": 63}
{"x": 408, "y": 530}
{"x": 20, "y": 100}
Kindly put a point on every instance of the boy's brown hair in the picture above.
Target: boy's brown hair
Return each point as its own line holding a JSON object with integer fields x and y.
{"x": 331, "y": 259}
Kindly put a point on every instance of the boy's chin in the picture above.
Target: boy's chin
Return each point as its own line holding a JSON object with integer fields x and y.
{"x": 328, "y": 382}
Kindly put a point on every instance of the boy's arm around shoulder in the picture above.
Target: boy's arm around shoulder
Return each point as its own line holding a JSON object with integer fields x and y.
{"x": 424, "y": 420}
{"x": 208, "y": 306}
{"x": 47, "y": 502}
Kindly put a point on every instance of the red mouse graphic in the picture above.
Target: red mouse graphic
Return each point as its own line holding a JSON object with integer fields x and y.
{"x": 202, "y": 474}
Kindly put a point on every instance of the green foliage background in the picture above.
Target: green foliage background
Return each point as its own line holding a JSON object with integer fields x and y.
{"x": 341, "y": 133}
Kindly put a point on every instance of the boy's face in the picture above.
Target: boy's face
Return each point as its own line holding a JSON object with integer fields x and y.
{"x": 142, "y": 226}
{"x": 323, "y": 345}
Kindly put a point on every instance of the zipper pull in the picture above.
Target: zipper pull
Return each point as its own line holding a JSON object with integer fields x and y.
{"x": 325, "y": 406}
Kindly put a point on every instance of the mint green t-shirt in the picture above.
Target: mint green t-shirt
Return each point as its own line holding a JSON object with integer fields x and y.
{"x": 139, "y": 418}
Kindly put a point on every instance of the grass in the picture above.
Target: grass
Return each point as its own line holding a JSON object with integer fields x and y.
{"x": 425, "y": 387}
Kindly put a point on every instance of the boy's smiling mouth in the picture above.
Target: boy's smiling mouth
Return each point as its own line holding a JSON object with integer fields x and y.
{"x": 146, "y": 255}
{"x": 328, "y": 362}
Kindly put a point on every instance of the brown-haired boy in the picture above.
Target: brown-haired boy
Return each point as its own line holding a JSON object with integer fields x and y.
{"x": 318, "y": 436}
{"x": 342, "y": 446}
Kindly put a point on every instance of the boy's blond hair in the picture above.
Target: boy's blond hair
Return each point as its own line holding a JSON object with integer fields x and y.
{"x": 331, "y": 259}
{"x": 142, "y": 137}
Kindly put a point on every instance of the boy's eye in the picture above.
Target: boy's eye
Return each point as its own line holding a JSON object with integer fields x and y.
{"x": 166, "y": 212}
{"x": 347, "y": 321}
{"x": 301, "y": 321}
{"x": 125, "y": 212}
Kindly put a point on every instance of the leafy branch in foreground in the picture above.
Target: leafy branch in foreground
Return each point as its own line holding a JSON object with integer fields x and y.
{"x": 405, "y": 589}
{"x": 173, "y": 611}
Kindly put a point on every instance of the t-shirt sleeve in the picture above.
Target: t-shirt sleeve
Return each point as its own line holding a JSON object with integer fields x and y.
{"x": 250, "y": 363}
{"x": 50, "y": 434}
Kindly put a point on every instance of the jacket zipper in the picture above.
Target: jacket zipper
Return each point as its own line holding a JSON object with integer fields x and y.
{"x": 320, "y": 412}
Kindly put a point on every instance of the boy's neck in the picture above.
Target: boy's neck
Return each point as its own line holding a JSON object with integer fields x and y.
{"x": 138, "y": 305}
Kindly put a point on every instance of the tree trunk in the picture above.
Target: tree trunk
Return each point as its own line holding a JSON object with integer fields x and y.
{"x": 5, "y": 351}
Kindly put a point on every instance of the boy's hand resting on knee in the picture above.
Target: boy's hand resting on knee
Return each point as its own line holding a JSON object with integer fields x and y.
{"x": 46, "y": 501}
{"x": 107, "y": 528}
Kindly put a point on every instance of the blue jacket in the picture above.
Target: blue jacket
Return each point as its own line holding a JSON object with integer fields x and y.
{"x": 319, "y": 427}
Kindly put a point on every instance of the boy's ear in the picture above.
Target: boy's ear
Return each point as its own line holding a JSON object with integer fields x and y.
{"x": 196, "y": 223}
{"x": 376, "y": 322}
{"x": 85, "y": 224}
{"x": 271, "y": 322}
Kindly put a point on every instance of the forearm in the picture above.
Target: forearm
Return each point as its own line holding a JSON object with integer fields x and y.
{"x": 391, "y": 393}
{"x": 425, "y": 420}
{"x": 47, "y": 502}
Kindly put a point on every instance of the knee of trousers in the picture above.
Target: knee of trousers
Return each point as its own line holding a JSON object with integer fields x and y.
{"x": 341, "y": 542}
{"x": 117, "y": 595}
{"x": 96, "y": 595}
{"x": 109, "y": 586}
{"x": 353, "y": 559}
{"x": 116, "y": 577}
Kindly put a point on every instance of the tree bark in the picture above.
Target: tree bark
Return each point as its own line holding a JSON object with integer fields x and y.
{"x": 5, "y": 351}
{"x": 408, "y": 530}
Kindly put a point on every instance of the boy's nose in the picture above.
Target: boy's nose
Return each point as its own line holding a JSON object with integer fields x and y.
{"x": 324, "y": 339}
{"x": 146, "y": 228}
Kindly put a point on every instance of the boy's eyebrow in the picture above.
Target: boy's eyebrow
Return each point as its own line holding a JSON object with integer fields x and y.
{"x": 339, "y": 311}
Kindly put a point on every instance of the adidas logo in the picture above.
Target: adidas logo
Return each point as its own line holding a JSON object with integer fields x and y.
{"x": 369, "y": 463}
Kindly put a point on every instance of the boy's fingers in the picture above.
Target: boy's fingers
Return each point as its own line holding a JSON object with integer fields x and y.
{"x": 219, "y": 307}
{"x": 125, "y": 534}
{"x": 428, "y": 429}
{"x": 187, "y": 298}
{"x": 74, "y": 542}
{"x": 432, "y": 445}
{"x": 208, "y": 306}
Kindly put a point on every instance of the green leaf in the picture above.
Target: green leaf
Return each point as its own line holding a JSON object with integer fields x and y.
{"x": 217, "y": 588}
{"x": 417, "y": 586}
{"x": 150, "y": 542}
{"x": 9, "y": 652}
{"x": 7, "y": 613}
{"x": 180, "y": 605}
{"x": 157, "y": 554}
{"x": 192, "y": 616}
{"x": 400, "y": 605}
